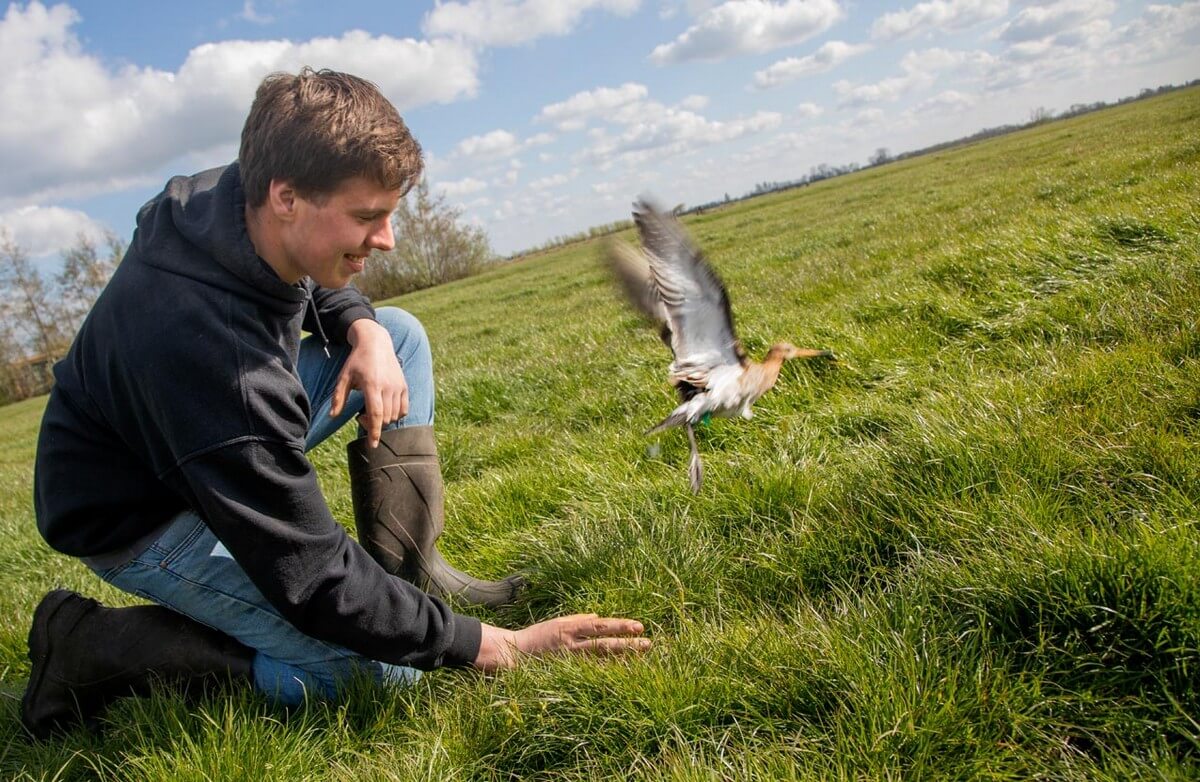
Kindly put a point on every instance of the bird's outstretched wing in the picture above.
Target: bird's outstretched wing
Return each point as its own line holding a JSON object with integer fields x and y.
{"x": 632, "y": 270}
{"x": 691, "y": 296}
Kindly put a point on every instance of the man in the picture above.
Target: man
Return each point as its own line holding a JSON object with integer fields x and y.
{"x": 171, "y": 458}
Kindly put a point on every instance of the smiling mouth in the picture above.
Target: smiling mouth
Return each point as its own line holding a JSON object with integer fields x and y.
{"x": 357, "y": 262}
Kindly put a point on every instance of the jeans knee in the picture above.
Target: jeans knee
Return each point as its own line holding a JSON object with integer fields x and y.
{"x": 406, "y": 330}
{"x": 416, "y": 360}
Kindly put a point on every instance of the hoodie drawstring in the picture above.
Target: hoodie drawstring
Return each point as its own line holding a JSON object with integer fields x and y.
{"x": 312, "y": 305}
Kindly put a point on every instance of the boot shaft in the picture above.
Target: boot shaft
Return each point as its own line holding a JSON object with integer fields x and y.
{"x": 399, "y": 481}
{"x": 85, "y": 655}
{"x": 397, "y": 493}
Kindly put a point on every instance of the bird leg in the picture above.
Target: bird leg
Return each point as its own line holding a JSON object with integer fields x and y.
{"x": 695, "y": 471}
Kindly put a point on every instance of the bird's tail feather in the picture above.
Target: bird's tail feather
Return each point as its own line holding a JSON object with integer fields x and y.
{"x": 677, "y": 418}
{"x": 695, "y": 471}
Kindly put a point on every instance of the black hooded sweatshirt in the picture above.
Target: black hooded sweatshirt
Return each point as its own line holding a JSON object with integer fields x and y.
{"x": 181, "y": 391}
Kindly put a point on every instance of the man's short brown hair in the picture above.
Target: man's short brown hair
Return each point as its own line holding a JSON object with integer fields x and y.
{"x": 320, "y": 128}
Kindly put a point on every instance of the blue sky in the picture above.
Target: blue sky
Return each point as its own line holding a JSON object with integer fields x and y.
{"x": 545, "y": 117}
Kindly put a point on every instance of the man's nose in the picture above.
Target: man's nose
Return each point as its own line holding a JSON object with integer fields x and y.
{"x": 382, "y": 237}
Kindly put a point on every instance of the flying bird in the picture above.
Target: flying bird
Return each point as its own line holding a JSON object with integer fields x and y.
{"x": 670, "y": 281}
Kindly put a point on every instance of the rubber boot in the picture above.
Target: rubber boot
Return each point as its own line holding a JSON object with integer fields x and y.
{"x": 85, "y": 656}
{"x": 397, "y": 493}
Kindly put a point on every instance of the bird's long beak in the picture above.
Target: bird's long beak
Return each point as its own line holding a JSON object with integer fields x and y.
{"x": 811, "y": 353}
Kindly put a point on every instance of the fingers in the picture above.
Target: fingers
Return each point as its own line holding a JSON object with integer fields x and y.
{"x": 603, "y": 646}
{"x": 607, "y": 636}
{"x": 398, "y": 404}
{"x": 583, "y": 633}
{"x": 373, "y": 369}
{"x": 587, "y": 626}
{"x": 339, "y": 393}
{"x": 402, "y": 403}
{"x": 372, "y": 419}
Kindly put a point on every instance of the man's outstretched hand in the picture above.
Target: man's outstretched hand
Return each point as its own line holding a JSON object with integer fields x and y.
{"x": 579, "y": 633}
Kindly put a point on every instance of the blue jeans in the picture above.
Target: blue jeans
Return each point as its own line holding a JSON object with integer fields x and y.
{"x": 187, "y": 569}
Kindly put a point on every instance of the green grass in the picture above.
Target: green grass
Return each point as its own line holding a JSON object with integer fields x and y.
{"x": 969, "y": 550}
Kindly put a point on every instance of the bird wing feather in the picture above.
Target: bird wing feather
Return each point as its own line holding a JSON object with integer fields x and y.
{"x": 632, "y": 270}
{"x": 692, "y": 296}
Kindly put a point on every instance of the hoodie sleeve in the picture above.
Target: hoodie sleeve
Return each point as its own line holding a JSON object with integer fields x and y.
{"x": 263, "y": 501}
{"x": 336, "y": 309}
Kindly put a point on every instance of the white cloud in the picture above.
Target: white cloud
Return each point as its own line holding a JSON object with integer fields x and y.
{"x": 461, "y": 187}
{"x": 947, "y": 102}
{"x": 937, "y": 16}
{"x": 930, "y": 61}
{"x": 749, "y": 26}
{"x": 250, "y": 14}
{"x": 1039, "y": 22}
{"x": 74, "y": 124}
{"x": 670, "y": 8}
{"x": 497, "y": 143}
{"x": 888, "y": 89}
{"x": 1088, "y": 49}
{"x": 513, "y": 22}
{"x": 694, "y": 102}
{"x": 1161, "y": 32}
{"x": 48, "y": 230}
{"x": 511, "y": 175}
{"x": 830, "y": 55}
{"x": 920, "y": 71}
{"x": 809, "y": 110}
{"x": 656, "y": 131}
{"x": 553, "y": 180}
{"x": 574, "y": 112}
{"x": 868, "y": 117}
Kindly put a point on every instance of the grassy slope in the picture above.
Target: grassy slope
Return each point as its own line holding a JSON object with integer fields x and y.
{"x": 968, "y": 550}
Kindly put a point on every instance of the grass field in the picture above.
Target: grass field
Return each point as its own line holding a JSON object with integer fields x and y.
{"x": 968, "y": 550}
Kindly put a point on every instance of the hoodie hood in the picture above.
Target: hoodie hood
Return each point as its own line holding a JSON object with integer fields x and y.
{"x": 207, "y": 212}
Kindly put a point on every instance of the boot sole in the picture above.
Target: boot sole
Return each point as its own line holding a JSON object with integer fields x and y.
{"x": 39, "y": 656}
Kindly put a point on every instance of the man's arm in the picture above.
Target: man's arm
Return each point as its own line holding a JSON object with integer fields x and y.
{"x": 264, "y": 502}
{"x": 270, "y": 514}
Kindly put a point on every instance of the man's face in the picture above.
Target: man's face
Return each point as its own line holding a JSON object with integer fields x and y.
{"x": 329, "y": 238}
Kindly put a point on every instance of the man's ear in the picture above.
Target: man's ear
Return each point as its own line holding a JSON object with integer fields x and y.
{"x": 281, "y": 199}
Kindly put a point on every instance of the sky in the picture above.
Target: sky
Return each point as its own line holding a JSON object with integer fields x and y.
{"x": 542, "y": 118}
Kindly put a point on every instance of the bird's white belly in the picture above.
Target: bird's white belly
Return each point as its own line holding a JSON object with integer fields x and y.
{"x": 724, "y": 391}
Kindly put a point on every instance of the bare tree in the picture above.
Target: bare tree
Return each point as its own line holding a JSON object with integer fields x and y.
{"x": 1039, "y": 115}
{"x": 32, "y": 315}
{"x": 432, "y": 247}
{"x": 84, "y": 274}
{"x": 14, "y": 382}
